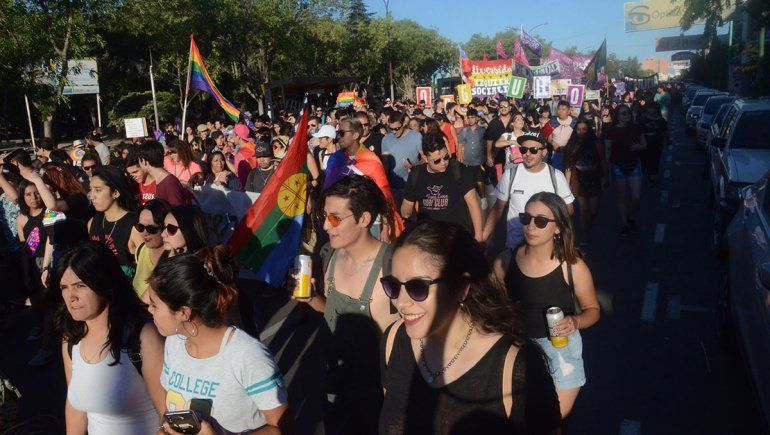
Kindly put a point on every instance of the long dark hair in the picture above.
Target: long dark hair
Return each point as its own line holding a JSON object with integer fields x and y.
{"x": 116, "y": 180}
{"x": 98, "y": 268}
{"x": 23, "y": 207}
{"x": 159, "y": 208}
{"x": 192, "y": 224}
{"x": 576, "y": 145}
{"x": 455, "y": 254}
{"x": 203, "y": 281}
{"x": 564, "y": 248}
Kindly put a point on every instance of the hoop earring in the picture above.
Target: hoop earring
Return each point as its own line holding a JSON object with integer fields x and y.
{"x": 194, "y": 332}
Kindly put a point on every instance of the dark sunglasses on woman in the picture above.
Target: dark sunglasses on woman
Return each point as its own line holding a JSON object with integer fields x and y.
{"x": 171, "y": 229}
{"x": 417, "y": 288}
{"x": 151, "y": 229}
{"x": 540, "y": 221}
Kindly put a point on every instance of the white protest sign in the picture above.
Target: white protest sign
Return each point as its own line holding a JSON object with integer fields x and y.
{"x": 542, "y": 86}
{"x": 575, "y": 94}
{"x": 592, "y": 95}
{"x": 135, "y": 127}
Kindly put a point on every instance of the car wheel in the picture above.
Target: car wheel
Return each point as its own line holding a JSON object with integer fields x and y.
{"x": 725, "y": 328}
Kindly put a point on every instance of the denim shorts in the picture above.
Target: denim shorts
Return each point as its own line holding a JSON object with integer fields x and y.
{"x": 618, "y": 173}
{"x": 566, "y": 363}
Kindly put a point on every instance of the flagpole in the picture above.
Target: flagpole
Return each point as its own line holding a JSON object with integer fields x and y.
{"x": 29, "y": 118}
{"x": 187, "y": 88}
{"x": 154, "y": 100}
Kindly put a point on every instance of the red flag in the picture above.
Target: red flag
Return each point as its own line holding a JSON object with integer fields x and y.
{"x": 501, "y": 50}
{"x": 518, "y": 53}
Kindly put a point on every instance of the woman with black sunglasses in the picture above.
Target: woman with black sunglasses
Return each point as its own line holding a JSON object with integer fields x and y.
{"x": 547, "y": 270}
{"x": 184, "y": 230}
{"x": 150, "y": 251}
{"x": 457, "y": 362}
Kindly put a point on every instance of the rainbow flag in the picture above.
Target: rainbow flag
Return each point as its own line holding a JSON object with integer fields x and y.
{"x": 267, "y": 239}
{"x": 199, "y": 78}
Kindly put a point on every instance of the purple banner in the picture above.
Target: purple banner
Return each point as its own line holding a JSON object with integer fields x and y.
{"x": 572, "y": 67}
{"x": 531, "y": 42}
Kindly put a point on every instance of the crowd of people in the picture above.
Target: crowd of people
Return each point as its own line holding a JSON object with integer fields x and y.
{"x": 432, "y": 332}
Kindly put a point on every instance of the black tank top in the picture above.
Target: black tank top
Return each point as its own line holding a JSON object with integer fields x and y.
{"x": 472, "y": 404}
{"x": 536, "y": 295}
{"x": 35, "y": 236}
{"x": 115, "y": 235}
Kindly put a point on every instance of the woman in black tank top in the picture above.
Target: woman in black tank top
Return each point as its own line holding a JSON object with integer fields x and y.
{"x": 457, "y": 363}
{"x": 113, "y": 224}
{"x": 546, "y": 271}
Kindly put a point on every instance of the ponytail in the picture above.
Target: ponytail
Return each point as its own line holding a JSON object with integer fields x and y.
{"x": 221, "y": 266}
{"x": 203, "y": 281}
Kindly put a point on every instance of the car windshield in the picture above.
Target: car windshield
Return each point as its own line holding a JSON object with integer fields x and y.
{"x": 714, "y": 104}
{"x": 691, "y": 92}
{"x": 700, "y": 100}
{"x": 752, "y": 131}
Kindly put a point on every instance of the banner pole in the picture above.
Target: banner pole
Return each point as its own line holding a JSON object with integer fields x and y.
{"x": 154, "y": 100}
{"x": 98, "y": 111}
{"x": 187, "y": 88}
{"x": 29, "y": 119}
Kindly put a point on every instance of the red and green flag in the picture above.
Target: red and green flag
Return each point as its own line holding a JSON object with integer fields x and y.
{"x": 267, "y": 239}
{"x": 594, "y": 72}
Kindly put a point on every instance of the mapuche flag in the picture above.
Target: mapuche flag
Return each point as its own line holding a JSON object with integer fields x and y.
{"x": 595, "y": 70}
{"x": 198, "y": 78}
{"x": 267, "y": 239}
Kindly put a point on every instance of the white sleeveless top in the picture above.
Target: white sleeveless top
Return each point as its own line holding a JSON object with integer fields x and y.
{"x": 114, "y": 398}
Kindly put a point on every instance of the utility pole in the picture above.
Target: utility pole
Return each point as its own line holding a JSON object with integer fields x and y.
{"x": 390, "y": 62}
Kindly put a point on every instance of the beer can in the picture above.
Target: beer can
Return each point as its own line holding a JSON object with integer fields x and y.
{"x": 303, "y": 265}
{"x": 552, "y": 316}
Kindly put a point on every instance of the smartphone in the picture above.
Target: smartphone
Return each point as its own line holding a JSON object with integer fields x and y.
{"x": 186, "y": 422}
{"x": 201, "y": 406}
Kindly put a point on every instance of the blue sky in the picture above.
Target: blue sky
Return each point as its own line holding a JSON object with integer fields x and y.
{"x": 568, "y": 24}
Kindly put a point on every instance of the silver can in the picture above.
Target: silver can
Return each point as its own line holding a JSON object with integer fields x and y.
{"x": 554, "y": 315}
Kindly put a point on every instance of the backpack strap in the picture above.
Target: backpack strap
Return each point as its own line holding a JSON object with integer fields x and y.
{"x": 138, "y": 251}
{"x": 552, "y": 172}
{"x": 510, "y": 359}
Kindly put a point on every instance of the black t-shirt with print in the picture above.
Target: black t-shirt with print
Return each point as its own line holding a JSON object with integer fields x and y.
{"x": 374, "y": 143}
{"x": 441, "y": 196}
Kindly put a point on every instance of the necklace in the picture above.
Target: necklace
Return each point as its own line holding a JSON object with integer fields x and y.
{"x": 433, "y": 375}
{"x": 114, "y": 224}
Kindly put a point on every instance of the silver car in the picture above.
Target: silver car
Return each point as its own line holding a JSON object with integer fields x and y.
{"x": 696, "y": 108}
{"x": 713, "y": 104}
{"x": 740, "y": 155}
{"x": 743, "y": 309}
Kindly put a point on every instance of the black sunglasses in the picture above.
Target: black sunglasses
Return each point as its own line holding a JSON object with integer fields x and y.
{"x": 540, "y": 221}
{"x": 151, "y": 229}
{"x": 533, "y": 150}
{"x": 417, "y": 288}
{"x": 439, "y": 160}
{"x": 172, "y": 229}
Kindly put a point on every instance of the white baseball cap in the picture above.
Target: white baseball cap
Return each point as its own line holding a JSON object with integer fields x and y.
{"x": 326, "y": 130}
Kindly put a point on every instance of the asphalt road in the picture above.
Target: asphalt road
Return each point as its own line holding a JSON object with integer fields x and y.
{"x": 652, "y": 363}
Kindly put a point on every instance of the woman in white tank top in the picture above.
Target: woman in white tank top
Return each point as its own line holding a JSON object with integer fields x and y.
{"x": 107, "y": 342}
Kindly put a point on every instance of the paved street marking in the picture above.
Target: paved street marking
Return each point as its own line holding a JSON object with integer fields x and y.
{"x": 670, "y": 147}
{"x": 674, "y": 307}
{"x": 660, "y": 232}
{"x": 706, "y": 357}
{"x": 666, "y": 174}
{"x": 697, "y": 309}
{"x": 630, "y": 427}
{"x": 676, "y": 203}
{"x": 669, "y": 158}
{"x": 649, "y": 306}
{"x": 664, "y": 196}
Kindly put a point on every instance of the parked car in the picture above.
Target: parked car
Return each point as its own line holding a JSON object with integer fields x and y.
{"x": 696, "y": 108}
{"x": 689, "y": 93}
{"x": 743, "y": 308}
{"x": 715, "y": 131}
{"x": 713, "y": 104}
{"x": 740, "y": 155}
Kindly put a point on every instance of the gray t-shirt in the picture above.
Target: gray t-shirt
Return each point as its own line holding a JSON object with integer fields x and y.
{"x": 475, "y": 147}
{"x": 241, "y": 380}
{"x": 396, "y": 150}
{"x": 103, "y": 152}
